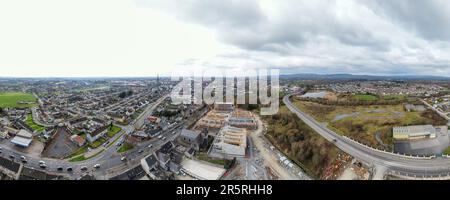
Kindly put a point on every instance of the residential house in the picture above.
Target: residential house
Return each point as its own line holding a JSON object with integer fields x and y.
{"x": 78, "y": 140}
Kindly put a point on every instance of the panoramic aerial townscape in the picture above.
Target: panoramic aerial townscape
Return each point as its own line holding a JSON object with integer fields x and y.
{"x": 225, "y": 90}
{"x": 331, "y": 128}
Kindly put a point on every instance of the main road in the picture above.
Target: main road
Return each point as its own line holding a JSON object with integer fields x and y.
{"x": 382, "y": 161}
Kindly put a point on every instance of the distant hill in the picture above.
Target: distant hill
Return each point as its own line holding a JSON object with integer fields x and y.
{"x": 360, "y": 77}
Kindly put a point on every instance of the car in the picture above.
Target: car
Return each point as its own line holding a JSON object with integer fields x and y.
{"x": 69, "y": 169}
{"x": 159, "y": 137}
{"x": 12, "y": 156}
{"x": 59, "y": 168}
{"x": 1, "y": 149}
{"x": 97, "y": 166}
{"x": 84, "y": 168}
{"x": 164, "y": 138}
{"x": 123, "y": 158}
{"x": 23, "y": 158}
{"x": 41, "y": 162}
{"x": 43, "y": 166}
{"x": 140, "y": 151}
{"x": 150, "y": 146}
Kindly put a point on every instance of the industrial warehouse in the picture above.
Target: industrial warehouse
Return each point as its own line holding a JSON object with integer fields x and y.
{"x": 420, "y": 140}
{"x": 414, "y": 132}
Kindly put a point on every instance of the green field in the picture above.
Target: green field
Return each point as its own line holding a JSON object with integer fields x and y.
{"x": 97, "y": 143}
{"x": 113, "y": 131}
{"x": 394, "y": 97}
{"x": 125, "y": 147}
{"x": 13, "y": 99}
{"x": 82, "y": 157}
{"x": 446, "y": 151}
{"x": 80, "y": 151}
{"x": 365, "y": 97}
{"x": 29, "y": 121}
{"x": 77, "y": 159}
{"x": 203, "y": 156}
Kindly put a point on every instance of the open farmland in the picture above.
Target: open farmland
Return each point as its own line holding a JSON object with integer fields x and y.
{"x": 365, "y": 97}
{"x": 17, "y": 100}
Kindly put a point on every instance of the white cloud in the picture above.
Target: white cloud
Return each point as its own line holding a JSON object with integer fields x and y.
{"x": 145, "y": 37}
{"x": 95, "y": 38}
{"x": 324, "y": 36}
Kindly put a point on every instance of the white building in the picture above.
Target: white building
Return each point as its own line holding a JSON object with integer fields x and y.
{"x": 230, "y": 142}
{"x": 414, "y": 132}
{"x": 23, "y": 138}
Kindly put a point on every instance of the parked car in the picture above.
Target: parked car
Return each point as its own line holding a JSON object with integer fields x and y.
{"x": 106, "y": 144}
{"x": 97, "y": 166}
{"x": 123, "y": 158}
{"x": 84, "y": 168}
{"x": 59, "y": 168}
{"x": 69, "y": 169}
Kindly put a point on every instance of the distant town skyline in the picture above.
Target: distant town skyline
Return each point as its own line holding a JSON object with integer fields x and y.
{"x": 142, "y": 38}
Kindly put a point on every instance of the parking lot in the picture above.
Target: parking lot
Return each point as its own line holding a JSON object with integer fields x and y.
{"x": 426, "y": 147}
{"x": 61, "y": 146}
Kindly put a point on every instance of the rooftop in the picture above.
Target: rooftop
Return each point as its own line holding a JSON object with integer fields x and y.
{"x": 9, "y": 164}
{"x": 189, "y": 134}
{"x": 414, "y": 130}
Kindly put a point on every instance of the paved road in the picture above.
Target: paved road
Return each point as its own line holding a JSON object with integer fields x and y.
{"x": 269, "y": 156}
{"x": 380, "y": 160}
{"x": 436, "y": 110}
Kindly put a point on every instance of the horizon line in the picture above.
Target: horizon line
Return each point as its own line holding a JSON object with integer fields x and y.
{"x": 165, "y": 76}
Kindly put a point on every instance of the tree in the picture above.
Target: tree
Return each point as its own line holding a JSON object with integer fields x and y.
{"x": 130, "y": 92}
{"x": 229, "y": 164}
{"x": 122, "y": 95}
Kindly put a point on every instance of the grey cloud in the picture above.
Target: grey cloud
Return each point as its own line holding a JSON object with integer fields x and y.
{"x": 430, "y": 18}
{"x": 378, "y": 37}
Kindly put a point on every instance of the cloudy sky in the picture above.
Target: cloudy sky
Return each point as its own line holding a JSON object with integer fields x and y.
{"x": 147, "y": 37}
